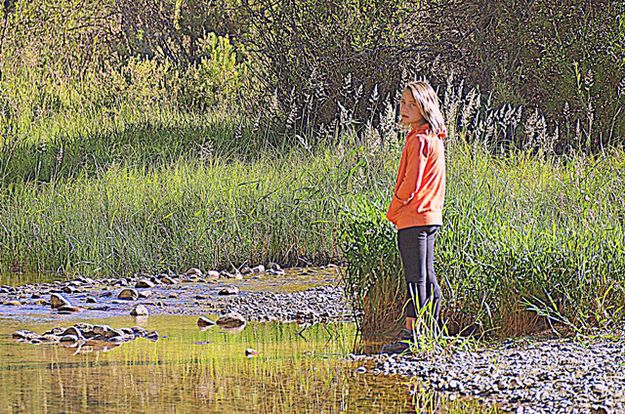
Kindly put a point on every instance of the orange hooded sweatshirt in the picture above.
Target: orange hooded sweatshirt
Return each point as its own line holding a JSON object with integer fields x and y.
{"x": 420, "y": 188}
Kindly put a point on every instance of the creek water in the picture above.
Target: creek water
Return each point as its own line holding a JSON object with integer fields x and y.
{"x": 189, "y": 370}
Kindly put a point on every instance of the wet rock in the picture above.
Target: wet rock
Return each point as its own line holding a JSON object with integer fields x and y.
{"x": 73, "y": 331}
{"x": 54, "y": 332}
{"x": 69, "y": 289}
{"x": 144, "y": 283}
{"x": 204, "y": 322}
{"x": 145, "y": 294}
{"x": 24, "y": 335}
{"x": 212, "y": 275}
{"x": 68, "y": 309}
{"x": 139, "y": 331}
{"x": 91, "y": 299}
{"x": 229, "y": 290}
{"x": 231, "y": 320}
{"x": 57, "y": 301}
{"x": 172, "y": 295}
{"x": 106, "y": 331}
{"x": 273, "y": 266}
{"x": 251, "y": 352}
{"x": 152, "y": 336}
{"x": 129, "y": 294}
{"x": 194, "y": 272}
{"x": 139, "y": 310}
{"x": 13, "y": 303}
{"x": 169, "y": 281}
{"x": 69, "y": 338}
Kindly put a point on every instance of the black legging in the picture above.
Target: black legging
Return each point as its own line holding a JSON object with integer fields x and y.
{"x": 416, "y": 247}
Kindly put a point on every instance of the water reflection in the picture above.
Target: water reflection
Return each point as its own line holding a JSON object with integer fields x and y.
{"x": 193, "y": 371}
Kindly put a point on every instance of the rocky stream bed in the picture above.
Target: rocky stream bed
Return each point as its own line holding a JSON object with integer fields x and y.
{"x": 529, "y": 375}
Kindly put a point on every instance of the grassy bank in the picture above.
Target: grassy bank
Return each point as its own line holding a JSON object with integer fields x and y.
{"x": 165, "y": 190}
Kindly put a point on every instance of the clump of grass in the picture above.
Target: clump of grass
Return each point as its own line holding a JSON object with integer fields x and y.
{"x": 518, "y": 230}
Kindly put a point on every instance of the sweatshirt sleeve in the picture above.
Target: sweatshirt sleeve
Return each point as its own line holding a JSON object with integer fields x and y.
{"x": 416, "y": 158}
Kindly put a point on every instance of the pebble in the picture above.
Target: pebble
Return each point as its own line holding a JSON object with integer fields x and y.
{"x": 139, "y": 310}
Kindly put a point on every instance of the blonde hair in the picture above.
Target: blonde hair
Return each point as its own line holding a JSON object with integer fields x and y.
{"x": 428, "y": 103}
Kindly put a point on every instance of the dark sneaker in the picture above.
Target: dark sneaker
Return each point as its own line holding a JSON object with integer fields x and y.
{"x": 398, "y": 347}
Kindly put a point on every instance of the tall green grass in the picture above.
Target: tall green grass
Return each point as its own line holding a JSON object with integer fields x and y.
{"x": 213, "y": 214}
{"x": 526, "y": 242}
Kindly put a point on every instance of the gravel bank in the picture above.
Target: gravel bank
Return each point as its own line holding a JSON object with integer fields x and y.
{"x": 525, "y": 376}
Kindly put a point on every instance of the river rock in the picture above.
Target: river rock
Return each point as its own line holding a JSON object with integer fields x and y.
{"x": 91, "y": 299}
{"x": 152, "y": 336}
{"x": 169, "y": 281}
{"x": 13, "y": 303}
{"x": 106, "y": 331}
{"x": 258, "y": 269}
{"x": 73, "y": 331}
{"x": 144, "y": 283}
{"x": 64, "y": 310}
{"x": 273, "y": 266}
{"x": 229, "y": 290}
{"x": 57, "y": 301}
{"x": 128, "y": 293}
{"x": 203, "y": 321}
{"x": 231, "y": 320}
{"x": 69, "y": 289}
{"x": 245, "y": 270}
{"x": 194, "y": 271}
{"x": 69, "y": 338}
{"x": 145, "y": 294}
{"x": 139, "y": 310}
{"x": 24, "y": 335}
{"x": 139, "y": 331}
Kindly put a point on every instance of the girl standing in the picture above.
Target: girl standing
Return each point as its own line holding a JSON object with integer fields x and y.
{"x": 417, "y": 203}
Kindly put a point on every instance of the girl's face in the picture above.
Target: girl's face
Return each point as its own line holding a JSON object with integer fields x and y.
{"x": 409, "y": 110}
